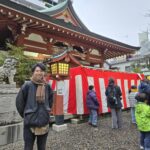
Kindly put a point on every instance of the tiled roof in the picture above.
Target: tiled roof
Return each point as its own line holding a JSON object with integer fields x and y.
{"x": 11, "y": 5}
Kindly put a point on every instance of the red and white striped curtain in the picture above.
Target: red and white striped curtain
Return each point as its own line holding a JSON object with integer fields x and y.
{"x": 76, "y": 87}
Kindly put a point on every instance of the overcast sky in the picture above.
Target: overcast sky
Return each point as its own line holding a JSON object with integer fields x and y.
{"x": 120, "y": 20}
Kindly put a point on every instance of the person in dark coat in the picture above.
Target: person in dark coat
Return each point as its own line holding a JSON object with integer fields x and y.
{"x": 35, "y": 95}
{"x": 113, "y": 94}
{"x": 144, "y": 85}
{"x": 93, "y": 106}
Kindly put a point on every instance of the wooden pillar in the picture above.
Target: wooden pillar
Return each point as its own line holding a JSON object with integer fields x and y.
{"x": 23, "y": 32}
{"x": 88, "y": 53}
{"x": 58, "y": 109}
{"x": 102, "y": 59}
{"x": 21, "y": 37}
{"x": 48, "y": 44}
{"x": 49, "y": 48}
{"x": 20, "y": 40}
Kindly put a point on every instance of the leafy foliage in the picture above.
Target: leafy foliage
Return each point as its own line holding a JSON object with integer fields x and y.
{"x": 24, "y": 63}
{"x": 137, "y": 69}
{"x": 2, "y": 58}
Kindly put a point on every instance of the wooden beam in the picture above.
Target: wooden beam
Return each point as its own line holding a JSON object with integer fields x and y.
{"x": 72, "y": 40}
{"x": 37, "y": 50}
{"x": 34, "y": 43}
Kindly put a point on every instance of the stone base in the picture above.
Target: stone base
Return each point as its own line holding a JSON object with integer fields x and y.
{"x": 59, "y": 119}
{"x": 75, "y": 121}
{"x": 8, "y": 86}
{"x": 8, "y": 111}
{"x": 67, "y": 116}
{"x": 11, "y": 133}
{"x": 59, "y": 128}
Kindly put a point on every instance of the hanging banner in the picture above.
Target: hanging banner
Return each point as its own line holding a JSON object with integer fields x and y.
{"x": 80, "y": 78}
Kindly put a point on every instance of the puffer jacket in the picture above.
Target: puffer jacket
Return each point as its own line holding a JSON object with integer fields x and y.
{"x": 142, "y": 114}
{"x": 26, "y": 98}
{"x": 91, "y": 100}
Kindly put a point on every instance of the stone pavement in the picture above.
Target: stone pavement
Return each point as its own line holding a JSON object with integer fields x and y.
{"x": 84, "y": 137}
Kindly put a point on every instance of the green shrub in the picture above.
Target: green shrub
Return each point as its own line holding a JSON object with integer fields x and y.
{"x": 2, "y": 58}
{"x": 24, "y": 64}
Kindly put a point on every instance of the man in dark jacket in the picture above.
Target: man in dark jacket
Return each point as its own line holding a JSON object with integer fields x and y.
{"x": 113, "y": 94}
{"x": 35, "y": 97}
{"x": 93, "y": 106}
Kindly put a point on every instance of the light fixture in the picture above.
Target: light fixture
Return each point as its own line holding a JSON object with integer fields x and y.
{"x": 59, "y": 69}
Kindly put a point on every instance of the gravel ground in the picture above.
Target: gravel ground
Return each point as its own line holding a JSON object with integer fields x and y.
{"x": 84, "y": 137}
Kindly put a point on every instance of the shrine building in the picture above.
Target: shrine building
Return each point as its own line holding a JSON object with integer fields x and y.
{"x": 52, "y": 31}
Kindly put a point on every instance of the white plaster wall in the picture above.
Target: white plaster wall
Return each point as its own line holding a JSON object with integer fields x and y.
{"x": 122, "y": 66}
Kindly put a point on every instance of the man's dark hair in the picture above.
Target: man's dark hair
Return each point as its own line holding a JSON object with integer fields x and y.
{"x": 91, "y": 87}
{"x": 133, "y": 87}
{"x": 40, "y": 65}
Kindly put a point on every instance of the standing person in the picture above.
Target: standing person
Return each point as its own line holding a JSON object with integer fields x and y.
{"x": 132, "y": 102}
{"x": 142, "y": 114}
{"x": 144, "y": 85}
{"x": 33, "y": 103}
{"x": 113, "y": 94}
{"x": 93, "y": 106}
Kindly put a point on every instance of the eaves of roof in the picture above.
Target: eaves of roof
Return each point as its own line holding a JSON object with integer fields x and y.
{"x": 23, "y": 9}
{"x": 55, "y": 9}
{"x": 61, "y": 7}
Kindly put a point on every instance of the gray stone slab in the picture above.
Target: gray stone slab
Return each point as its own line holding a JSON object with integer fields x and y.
{"x": 8, "y": 111}
{"x": 75, "y": 121}
{"x": 11, "y": 133}
{"x": 8, "y": 91}
{"x": 7, "y": 86}
{"x": 59, "y": 128}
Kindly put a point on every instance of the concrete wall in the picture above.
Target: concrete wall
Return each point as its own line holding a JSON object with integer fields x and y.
{"x": 11, "y": 128}
{"x": 8, "y": 112}
{"x": 122, "y": 66}
{"x": 11, "y": 133}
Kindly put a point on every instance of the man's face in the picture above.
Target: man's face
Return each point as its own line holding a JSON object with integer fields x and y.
{"x": 38, "y": 73}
